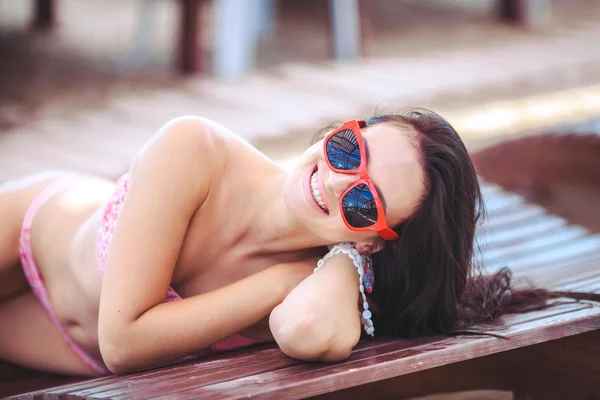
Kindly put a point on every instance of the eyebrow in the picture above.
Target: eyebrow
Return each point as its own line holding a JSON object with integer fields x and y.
{"x": 376, "y": 187}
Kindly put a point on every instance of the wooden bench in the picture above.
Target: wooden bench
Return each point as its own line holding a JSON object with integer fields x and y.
{"x": 553, "y": 353}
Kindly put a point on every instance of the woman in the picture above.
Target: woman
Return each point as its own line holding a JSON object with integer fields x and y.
{"x": 230, "y": 241}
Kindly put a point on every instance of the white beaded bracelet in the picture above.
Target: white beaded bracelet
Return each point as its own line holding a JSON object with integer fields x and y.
{"x": 357, "y": 259}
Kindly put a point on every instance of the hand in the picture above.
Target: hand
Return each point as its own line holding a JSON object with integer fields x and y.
{"x": 297, "y": 323}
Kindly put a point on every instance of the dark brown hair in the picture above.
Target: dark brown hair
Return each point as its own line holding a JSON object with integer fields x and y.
{"x": 428, "y": 282}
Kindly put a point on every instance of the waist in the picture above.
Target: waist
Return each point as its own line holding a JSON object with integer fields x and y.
{"x": 63, "y": 246}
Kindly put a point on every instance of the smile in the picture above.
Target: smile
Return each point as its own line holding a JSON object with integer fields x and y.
{"x": 314, "y": 193}
{"x": 314, "y": 187}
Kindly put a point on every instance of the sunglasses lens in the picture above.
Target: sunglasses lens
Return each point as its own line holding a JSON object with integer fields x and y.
{"x": 359, "y": 207}
{"x": 343, "y": 151}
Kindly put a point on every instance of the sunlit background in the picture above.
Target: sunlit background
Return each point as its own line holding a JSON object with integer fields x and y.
{"x": 84, "y": 83}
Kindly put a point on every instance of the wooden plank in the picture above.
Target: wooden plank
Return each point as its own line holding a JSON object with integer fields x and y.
{"x": 199, "y": 373}
{"x": 545, "y": 255}
{"x": 501, "y": 202}
{"x": 519, "y": 231}
{"x": 511, "y": 218}
{"x": 375, "y": 83}
{"x": 302, "y": 381}
{"x": 583, "y": 283}
{"x": 513, "y": 236}
{"x": 272, "y": 96}
{"x": 242, "y": 359}
{"x": 49, "y": 154}
{"x": 225, "y": 367}
{"x": 550, "y": 238}
{"x": 213, "y": 367}
{"x": 500, "y": 210}
{"x": 579, "y": 275}
{"x": 392, "y": 356}
{"x": 561, "y": 369}
{"x": 158, "y": 109}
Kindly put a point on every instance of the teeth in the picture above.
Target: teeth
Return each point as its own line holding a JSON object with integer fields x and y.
{"x": 315, "y": 191}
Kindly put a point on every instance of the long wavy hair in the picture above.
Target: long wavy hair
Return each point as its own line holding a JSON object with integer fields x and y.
{"x": 428, "y": 281}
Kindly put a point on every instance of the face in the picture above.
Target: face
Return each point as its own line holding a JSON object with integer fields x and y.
{"x": 312, "y": 190}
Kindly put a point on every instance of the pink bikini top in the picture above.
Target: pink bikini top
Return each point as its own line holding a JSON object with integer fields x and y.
{"x": 110, "y": 214}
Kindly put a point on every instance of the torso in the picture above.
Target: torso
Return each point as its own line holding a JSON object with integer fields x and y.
{"x": 64, "y": 244}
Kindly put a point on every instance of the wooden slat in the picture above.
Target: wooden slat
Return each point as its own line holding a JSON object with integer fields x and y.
{"x": 498, "y": 203}
{"x": 200, "y": 374}
{"x": 228, "y": 362}
{"x": 561, "y": 369}
{"x": 506, "y": 228}
{"x": 270, "y": 372}
{"x": 211, "y": 370}
{"x": 518, "y": 215}
{"x": 583, "y": 283}
{"x": 522, "y": 234}
{"x": 60, "y": 155}
{"x": 308, "y": 380}
{"x": 556, "y": 276}
{"x": 532, "y": 259}
{"x": 158, "y": 108}
{"x": 541, "y": 247}
{"x": 552, "y": 238}
{"x": 281, "y": 98}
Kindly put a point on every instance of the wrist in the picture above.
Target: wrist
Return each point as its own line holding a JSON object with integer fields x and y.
{"x": 365, "y": 280}
{"x": 286, "y": 276}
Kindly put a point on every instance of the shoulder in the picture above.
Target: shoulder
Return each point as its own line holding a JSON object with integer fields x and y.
{"x": 187, "y": 135}
{"x": 185, "y": 143}
{"x": 184, "y": 155}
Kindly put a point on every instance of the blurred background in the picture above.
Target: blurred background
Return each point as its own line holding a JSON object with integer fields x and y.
{"x": 84, "y": 83}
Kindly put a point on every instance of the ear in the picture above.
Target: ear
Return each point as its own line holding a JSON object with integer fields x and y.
{"x": 370, "y": 248}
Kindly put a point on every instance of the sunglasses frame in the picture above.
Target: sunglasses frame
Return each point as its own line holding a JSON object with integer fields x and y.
{"x": 381, "y": 226}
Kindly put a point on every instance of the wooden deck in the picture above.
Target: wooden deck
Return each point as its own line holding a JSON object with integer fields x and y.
{"x": 285, "y": 106}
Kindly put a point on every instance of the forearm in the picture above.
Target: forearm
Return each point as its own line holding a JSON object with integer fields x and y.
{"x": 319, "y": 319}
{"x": 173, "y": 330}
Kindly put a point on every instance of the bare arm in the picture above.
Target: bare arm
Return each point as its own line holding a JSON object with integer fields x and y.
{"x": 169, "y": 181}
{"x": 319, "y": 319}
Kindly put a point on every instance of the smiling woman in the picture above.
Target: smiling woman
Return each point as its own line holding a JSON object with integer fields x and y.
{"x": 205, "y": 245}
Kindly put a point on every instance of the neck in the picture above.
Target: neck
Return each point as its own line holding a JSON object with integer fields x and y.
{"x": 269, "y": 225}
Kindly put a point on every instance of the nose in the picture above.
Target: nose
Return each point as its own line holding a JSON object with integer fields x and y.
{"x": 338, "y": 183}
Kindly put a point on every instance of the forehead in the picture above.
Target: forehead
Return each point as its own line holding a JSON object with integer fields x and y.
{"x": 394, "y": 167}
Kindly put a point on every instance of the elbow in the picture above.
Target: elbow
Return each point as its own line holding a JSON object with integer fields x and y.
{"x": 116, "y": 352}
{"x": 116, "y": 363}
{"x": 308, "y": 338}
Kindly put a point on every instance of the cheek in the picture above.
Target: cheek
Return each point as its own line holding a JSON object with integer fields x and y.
{"x": 312, "y": 151}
